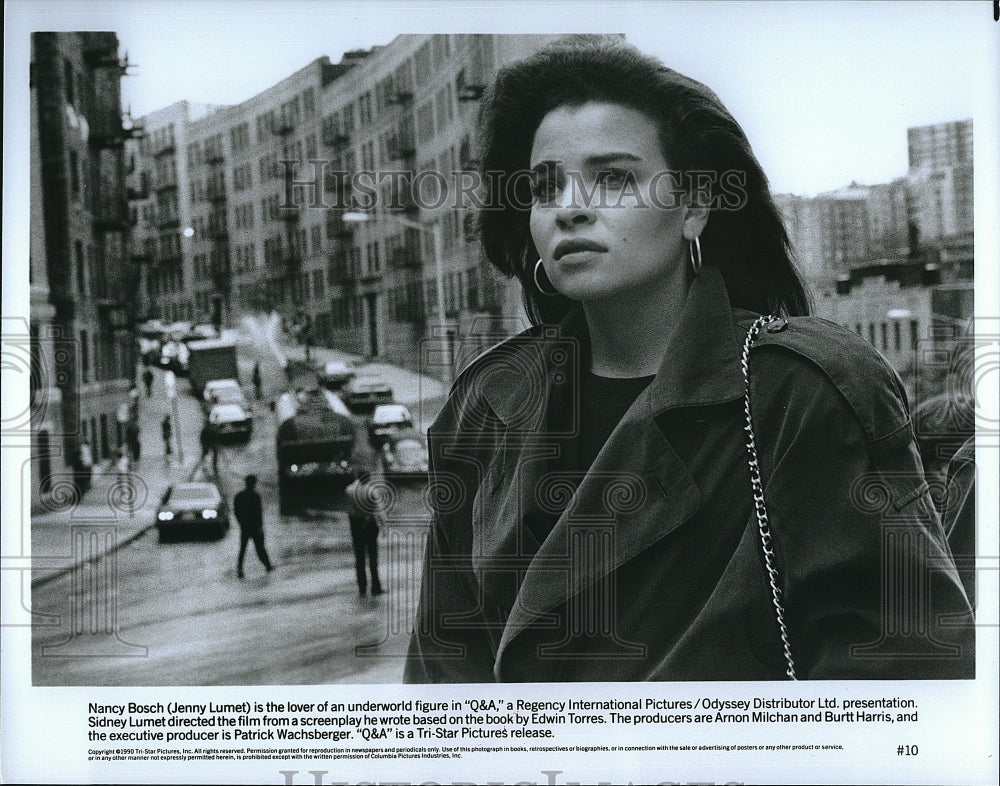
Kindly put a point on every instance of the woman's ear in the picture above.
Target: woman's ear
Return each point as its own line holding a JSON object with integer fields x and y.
{"x": 695, "y": 219}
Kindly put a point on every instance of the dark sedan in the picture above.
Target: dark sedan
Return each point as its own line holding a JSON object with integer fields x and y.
{"x": 195, "y": 509}
{"x": 404, "y": 455}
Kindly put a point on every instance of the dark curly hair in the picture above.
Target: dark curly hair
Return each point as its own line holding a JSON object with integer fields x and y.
{"x": 749, "y": 245}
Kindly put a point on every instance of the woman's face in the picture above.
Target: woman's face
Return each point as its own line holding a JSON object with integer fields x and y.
{"x": 598, "y": 230}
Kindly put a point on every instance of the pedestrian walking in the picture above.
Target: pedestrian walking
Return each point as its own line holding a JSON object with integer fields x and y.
{"x": 147, "y": 380}
{"x": 123, "y": 465}
{"x": 168, "y": 432}
{"x": 364, "y": 511}
{"x": 133, "y": 400}
{"x": 249, "y": 514}
{"x": 209, "y": 444}
{"x": 133, "y": 439}
{"x": 256, "y": 380}
{"x": 84, "y": 465}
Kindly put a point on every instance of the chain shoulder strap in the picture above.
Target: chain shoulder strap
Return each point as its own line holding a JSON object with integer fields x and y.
{"x": 758, "y": 496}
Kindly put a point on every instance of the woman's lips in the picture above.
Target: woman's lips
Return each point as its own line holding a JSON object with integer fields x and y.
{"x": 576, "y": 246}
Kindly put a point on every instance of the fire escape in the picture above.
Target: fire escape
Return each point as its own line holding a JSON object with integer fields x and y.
{"x": 113, "y": 279}
{"x": 406, "y": 251}
{"x": 290, "y": 261}
{"x": 470, "y": 84}
{"x": 218, "y": 232}
{"x": 338, "y": 193}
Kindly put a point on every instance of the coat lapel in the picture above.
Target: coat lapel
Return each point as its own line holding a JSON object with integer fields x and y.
{"x": 638, "y": 489}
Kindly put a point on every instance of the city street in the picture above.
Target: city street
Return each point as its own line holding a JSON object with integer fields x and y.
{"x": 176, "y": 613}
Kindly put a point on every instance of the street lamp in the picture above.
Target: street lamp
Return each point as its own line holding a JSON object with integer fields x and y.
{"x": 435, "y": 230}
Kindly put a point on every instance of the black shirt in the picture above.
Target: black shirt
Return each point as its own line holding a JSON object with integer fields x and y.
{"x": 603, "y": 403}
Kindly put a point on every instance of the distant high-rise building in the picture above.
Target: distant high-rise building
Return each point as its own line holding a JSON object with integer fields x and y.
{"x": 940, "y": 183}
{"x": 940, "y": 145}
{"x": 828, "y": 232}
{"x": 888, "y": 231}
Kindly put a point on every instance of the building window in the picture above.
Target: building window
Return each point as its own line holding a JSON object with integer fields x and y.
{"x": 74, "y": 174}
{"x": 81, "y": 268}
{"x": 365, "y": 109}
{"x": 897, "y": 335}
{"x": 885, "y": 336}
{"x": 914, "y": 334}
{"x": 105, "y": 441}
{"x": 871, "y": 333}
{"x": 84, "y": 357}
{"x": 70, "y": 83}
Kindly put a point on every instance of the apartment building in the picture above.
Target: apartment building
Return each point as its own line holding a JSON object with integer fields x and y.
{"x": 81, "y": 280}
{"x": 321, "y": 197}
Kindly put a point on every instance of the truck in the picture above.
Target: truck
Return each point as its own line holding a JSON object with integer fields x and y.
{"x": 315, "y": 443}
{"x": 209, "y": 359}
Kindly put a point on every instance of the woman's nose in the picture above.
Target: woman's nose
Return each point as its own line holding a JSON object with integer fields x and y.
{"x": 573, "y": 206}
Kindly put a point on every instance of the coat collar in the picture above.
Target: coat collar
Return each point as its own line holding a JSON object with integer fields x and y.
{"x": 701, "y": 364}
{"x": 701, "y": 367}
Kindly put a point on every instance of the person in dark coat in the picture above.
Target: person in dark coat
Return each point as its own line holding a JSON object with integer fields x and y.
{"x": 364, "y": 512}
{"x": 675, "y": 474}
{"x": 168, "y": 431}
{"x": 249, "y": 512}
{"x": 209, "y": 444}
{"x": 255, "y": 378}
{"x": 147, "y": 380}
{"x": 133, "y": 439}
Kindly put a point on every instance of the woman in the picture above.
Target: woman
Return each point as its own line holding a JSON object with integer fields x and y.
{"x": 595, "y": 514}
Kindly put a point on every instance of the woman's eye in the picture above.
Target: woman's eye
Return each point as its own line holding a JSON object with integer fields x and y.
{"x": 614, "y": 178}
{"x": 543, "y": 190}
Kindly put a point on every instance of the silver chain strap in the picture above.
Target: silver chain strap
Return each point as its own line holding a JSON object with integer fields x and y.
{"x": 758, "y": 496}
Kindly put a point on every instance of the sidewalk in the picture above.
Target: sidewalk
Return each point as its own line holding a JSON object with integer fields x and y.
{"x": 107, "y": 502}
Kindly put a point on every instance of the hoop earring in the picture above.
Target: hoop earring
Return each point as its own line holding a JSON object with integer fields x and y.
{"x": 694, "y": 252}
{"x": 538, "y": 284}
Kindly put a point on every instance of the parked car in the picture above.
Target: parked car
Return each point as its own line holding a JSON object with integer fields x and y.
{"x": 192, "y": 508}
{"x": 386, "y": 419}
{"x": 334, "y": 374}
{"x": 366, "y": 391}
{"x": 231, "y": 396}
{"x": 223, "y": 391}
{"x": 404, "y": 455}
{"x": 231, "y": 422}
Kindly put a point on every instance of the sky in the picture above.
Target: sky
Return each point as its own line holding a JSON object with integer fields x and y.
{"x": 825, "y": 91}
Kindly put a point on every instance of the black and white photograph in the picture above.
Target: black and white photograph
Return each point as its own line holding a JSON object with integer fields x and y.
{"x": 472, "y": 391}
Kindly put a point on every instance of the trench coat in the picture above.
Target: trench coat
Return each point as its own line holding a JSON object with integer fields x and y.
{"x": 654, "y": 568}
